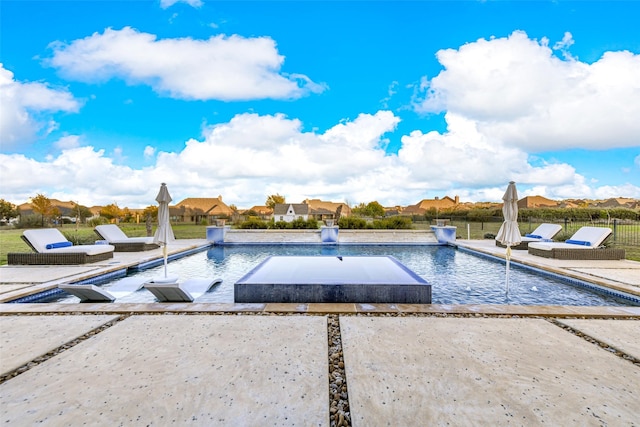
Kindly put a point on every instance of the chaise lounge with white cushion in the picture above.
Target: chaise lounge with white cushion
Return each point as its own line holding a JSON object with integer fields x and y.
{"x": 180, "y": 292}
{"x": 52, "y": 248}
{"x": 93, "y": 293}
{"x": 123, "y": 243}
{"x": 543, "y": 233}
{"x": 586, "y": 243}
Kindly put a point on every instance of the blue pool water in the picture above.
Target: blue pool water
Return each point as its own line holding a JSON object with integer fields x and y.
{"x": 456, "y": 276}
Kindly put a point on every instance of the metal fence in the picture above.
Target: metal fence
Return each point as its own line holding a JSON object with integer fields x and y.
{"x": 625, "y": 232}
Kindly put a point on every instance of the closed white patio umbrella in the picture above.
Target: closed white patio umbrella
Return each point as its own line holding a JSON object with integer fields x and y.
{"x": 164, "y": 233}
{"x": 509, "y": 233}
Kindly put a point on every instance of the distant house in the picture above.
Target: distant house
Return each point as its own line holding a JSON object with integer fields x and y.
{"x": 197, "y": 209}
{"x": 619, "y": 202}
{"x": 424, "y": 205}
{"x": 533, "y": 202}
{"x": 264, "y": 212}
{"x": 321, "y": 210}
{"x": 289, "y": 212}
{"x": 65, "y": 208}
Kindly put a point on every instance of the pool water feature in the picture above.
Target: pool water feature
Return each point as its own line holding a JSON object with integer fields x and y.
{"x": 456, "y": 276}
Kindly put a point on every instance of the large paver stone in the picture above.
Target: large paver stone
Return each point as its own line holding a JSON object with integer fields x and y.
{"x": 25, "y": 338}
{"x": 181, "y": 370}
{"x": 452, "y": 371}
{"x": 623, "y": 335}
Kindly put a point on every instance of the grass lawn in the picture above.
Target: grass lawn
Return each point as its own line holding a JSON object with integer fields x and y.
{"x": 10, "y": 240}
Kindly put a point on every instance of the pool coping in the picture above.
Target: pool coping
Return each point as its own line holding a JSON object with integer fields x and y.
{"x": 190, "y": 246}
{"x": 473, "y": 310}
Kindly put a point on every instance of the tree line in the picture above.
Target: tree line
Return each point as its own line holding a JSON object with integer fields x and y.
{"x": 530, "y": 214}
{"x": 45, "y": 213}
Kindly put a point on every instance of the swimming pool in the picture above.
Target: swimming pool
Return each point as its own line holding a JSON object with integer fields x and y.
{"x": 456, "y": 276}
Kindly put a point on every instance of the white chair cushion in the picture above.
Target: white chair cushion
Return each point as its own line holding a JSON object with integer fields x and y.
{"x": 546, "y": 231}
{"x": 87, "y": 249}
{"x": 594, "y": 236}
{"x": 40, "y": 238}
{"x": 113, "y": 234}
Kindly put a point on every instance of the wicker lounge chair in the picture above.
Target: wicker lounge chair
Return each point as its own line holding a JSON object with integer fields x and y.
{"x": 52, "y": 248}
{"x": 543, "y": 233}
{"x": 585, "y": 244}
{"x": 180, "y": 292}
{"x": 92, "y": 293}
{"x": 116, "y": 237}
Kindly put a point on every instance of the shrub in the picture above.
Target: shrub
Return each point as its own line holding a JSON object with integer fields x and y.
{"x": 489, "y": 236}
{"x": 80, "y": 240}
{"x": 352, "y": 223}
{"x": 254, "y": 224}
{"x": 29, "y": 221}
{"x": 97, "y": 221}
{"x": 394, "y": 223}
{"x": 562, "y": 236}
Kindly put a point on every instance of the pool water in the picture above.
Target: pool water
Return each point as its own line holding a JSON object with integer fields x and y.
{"x": 456, "y": 276}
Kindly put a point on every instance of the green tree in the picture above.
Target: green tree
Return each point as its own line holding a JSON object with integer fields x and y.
{"x": 273, "y": 200}
{"x": 127, "y": 215}
{"x": 151, "y": 211}
{"x": 8, "y": 210}
{"x": 374, "y": 210}
{"x": 42, "y": 205}
{"x": 359, "y": 209}
{"x": 55, "y": 213}
{"x": 81, "y": 212}
{"x": 111, "y": 211}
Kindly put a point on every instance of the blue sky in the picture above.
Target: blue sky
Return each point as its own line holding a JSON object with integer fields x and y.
{"x": 101, "y": 101}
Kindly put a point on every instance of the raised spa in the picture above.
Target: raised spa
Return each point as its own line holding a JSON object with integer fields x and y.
{"x": 302, "y": 279}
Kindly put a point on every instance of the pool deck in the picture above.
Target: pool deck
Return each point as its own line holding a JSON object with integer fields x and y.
{"x": 318, "y": 364}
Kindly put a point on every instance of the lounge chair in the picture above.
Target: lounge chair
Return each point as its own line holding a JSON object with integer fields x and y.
{"x": 116, "y": 237}
{"x": 543, "y": 233}
{"x": 180, "y": 292}
{"x": 584, "y": 244}
{"x": 52, "y": 248}
{"x": 92, "y": 293}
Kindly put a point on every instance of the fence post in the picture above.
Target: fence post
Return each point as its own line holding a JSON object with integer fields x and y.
{"x": 566, "y": 222}
{"x": 615, "y": 229}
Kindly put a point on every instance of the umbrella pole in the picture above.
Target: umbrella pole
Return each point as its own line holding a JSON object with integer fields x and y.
{"x": 507, "y": 270}
{"x": 164, "y": 252}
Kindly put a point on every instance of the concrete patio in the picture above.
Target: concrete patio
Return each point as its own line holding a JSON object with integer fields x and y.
{"x": 318, "y": 364}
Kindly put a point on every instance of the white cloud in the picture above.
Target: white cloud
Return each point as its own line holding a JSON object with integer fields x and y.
{"x": 564, "y": 45}
{"x": 27, "y": 109}
{"x": 81, "y": 174}
{"x": 252, "y": 156}
{"x": 637, "y": 161}
{"x": 222, "y": 67}
{"x": 149, "y": 151}
{"x": 518, "y": 92}
{"x": 464, "y": 157}
{"x": 165, "y": 4}
{"x": 67, "y": 142}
